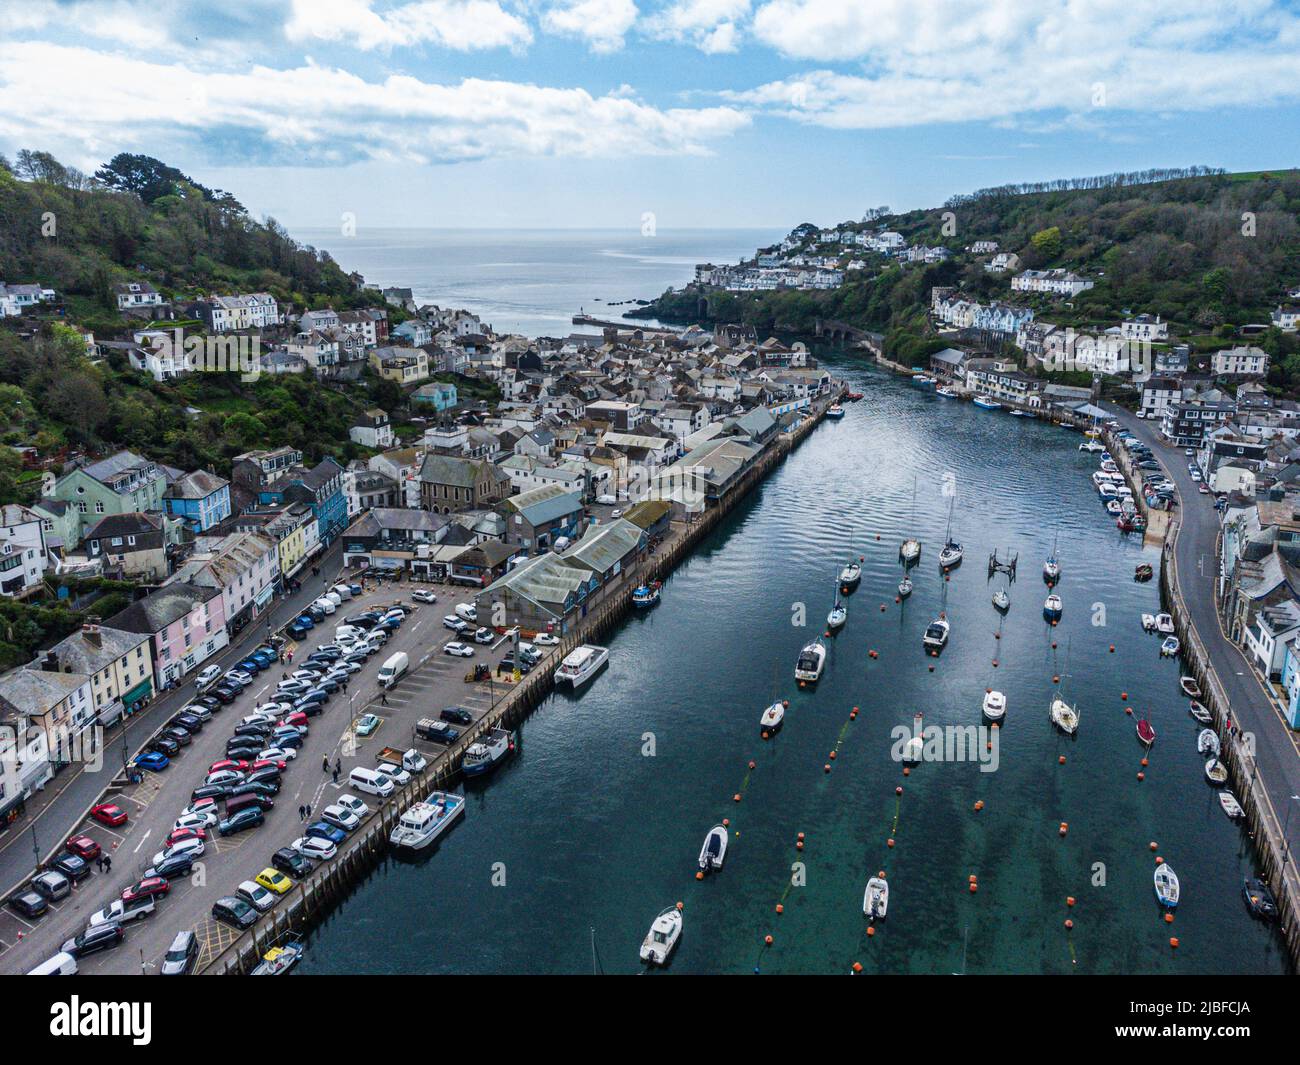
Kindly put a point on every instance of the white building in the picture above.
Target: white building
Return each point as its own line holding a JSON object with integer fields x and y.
{"x": 1054, "y": 282}
{"x": 23, "y": 554}
{"x": 1242, "y": 360}
{"x": 1145, "y": 327}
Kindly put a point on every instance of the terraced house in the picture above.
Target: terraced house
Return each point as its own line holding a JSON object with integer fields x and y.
{"x": 59, "y": 704}
{"x": 244, "y": 567}
{"x": 23, "y": 553}
{"x": 120, "y": 484}
{"x": 321, "y": 488}
{"x": 185, "y": 623}
{"x": 201, "y": 498}
{"x": 119, "y": 664}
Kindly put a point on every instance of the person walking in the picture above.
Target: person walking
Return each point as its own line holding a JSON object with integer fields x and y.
{"x": 302, "y": 812}
{"x": 325, "y": 764}
{"x": 99, "y": 862}
{"x": 383, "y": 698}
{"x": 108, "y": 863}
{"x": 336, "y": 774}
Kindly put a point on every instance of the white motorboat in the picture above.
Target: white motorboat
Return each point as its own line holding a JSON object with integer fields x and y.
{"x": 1169, "y": 646}
{"x": 424, "y": 822}
{"x": 482, "y": 756}
{"x": 946, "y": 391}
{"x": 1052, "y": 607}
{"x": 986, "y": 403}
{"x": 904, "y": 587}
{"x": 1166, "y": 883}
{"x": 875, "y": 901}
{"x": 581, "y": 664}
{"x": 772, "y": 717}
{"x": 1148, "y": 623}
{"x": 1207, "y": 742}
{"x": 1113, "y": 508}
{"x": 1231, "y": 806}
{"x": 1064, "y": 716}
{"x": 850, "y": 575}
{"x": 1051, "y": 571}
{"x": 1189, "y": 686}
{"x": 1216, "y": 772}
{"x": 812, "y": 660}
{"x": 1164, "y": 624}
{"x": 714, "y": 851}
{"x": 664, "y": 933}
{"x": 936, "y": 634}
{"x": 1001, "y": 600}
{"x": 995, "y": 705}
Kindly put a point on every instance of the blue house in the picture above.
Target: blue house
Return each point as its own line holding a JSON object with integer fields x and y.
{"x": 438, "y": 394}
{"x": 321, "y": 488}
{"x": 201, "y": 499}
{"x": 1291, "y": 682}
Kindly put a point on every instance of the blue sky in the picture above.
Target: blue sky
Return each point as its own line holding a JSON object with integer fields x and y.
{"x": 593, "y": 113}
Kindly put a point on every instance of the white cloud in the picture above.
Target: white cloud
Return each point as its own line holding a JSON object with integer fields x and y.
{"x": 122, "y": 21}
{"x": 463, "y": 25}
{"x": 94, "y": 104}
{"x": 713, "y": 26}
{"x": 950, "y": 61}
{"x": 601, "y": 23}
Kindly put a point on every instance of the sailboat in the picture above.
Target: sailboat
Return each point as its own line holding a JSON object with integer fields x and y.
{"x": 811, "y": 662}
{"x": 1064, "y": 716}
{"x": 839, "y": 613}
{"x": 850, "y": 575}
{"x": 1052, "y": 567}
{"x": 904, "y": 587}
{"x": 773, "y": 716}
{"x": 1002, "y": 600}
{"x": 915, "y": 747}
{"x": 951, "y": 553}
{"x": 910, "y": 552}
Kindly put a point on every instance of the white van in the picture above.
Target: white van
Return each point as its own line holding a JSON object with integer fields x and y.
{"x": 342, "y": 591}
{"x": 333, "y": 597}
{"x": 393, "y": 669}
{"x": 327, "y": 605}
{"x": 371, "y": 782}
{"x": 62, "y": 964}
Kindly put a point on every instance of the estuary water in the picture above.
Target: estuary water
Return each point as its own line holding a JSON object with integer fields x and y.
{"x": 568, "y": 853}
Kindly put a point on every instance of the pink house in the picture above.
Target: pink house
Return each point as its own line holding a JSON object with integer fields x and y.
{"x": 187, "y": 626}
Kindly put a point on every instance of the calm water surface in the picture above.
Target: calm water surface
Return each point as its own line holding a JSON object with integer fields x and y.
{"x": 593, "y": 837}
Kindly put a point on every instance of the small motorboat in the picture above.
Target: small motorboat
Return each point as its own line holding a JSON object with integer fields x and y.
{"x": 1259, "y": 900}
{"x": 812, "y": 660}
{"x": 1001, "y": 600}
{"x": 1052, "y": 607}
{"x": 646, "y": 595}
{"x": 915, "y": 747}
{"x": 664, "y": 933}
{"x": 1166, "y": 881}
{"x": 837, "y": 617}
{"x": 1169, "y": 646}
{"x": 772, "y": 717}
{"x": 1231, "y": 806}
{"x": 947, "y": 391}
{"x": 1064, "y": 716}
{"x": 835, "y": 412}
{"x": 1144, "y": 572}
{"x": 1023, "y": 414}
{"x": 279, "y": 960}
{"x": 1190, "y": 687}
{"x": 1216, "y": 772}
{"x": 904, "y": 587}
{"x": 987, "y": 404}
{"x": 1200, "y": 712}
{"x": 1148, "y": 623}
{"x": 1207, "y": 742}
{"x": 488, "y": 752}
{"x": 853, "y": 397}
{"x": 950, "y": 555}
{"x": 850, "y": 575}
{"x": 714, "y": 851}
{"x": 936, "y": 634}
{"x": 1051, "y": 570}
{"x": 875, "y": 902}
{"x": 1145, "y": 732}
{"x": 1113, "y": 508}
{"x": 995, "y": 705}
{"x": 1164, "y": 624}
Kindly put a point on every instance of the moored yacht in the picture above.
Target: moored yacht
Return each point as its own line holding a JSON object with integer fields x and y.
{"x": 1052, "y": 607}
{"x": 812, "y": 660}
{"x": 1064, "y": 716}
{"x": 837, "y": 617}
{"x": 581, "y": 664}
{"x": 995, "y": 705}
{"x": 772, "y": 717}
{"x": 910, "y": 551}
{"x": 426, "y": 821}
{"x": 485, "y": 754}
{"x": 904, "y": 587}
{"x": 1002, "y": 600}
{"x": 850, "y": 575}
{"x": 950, "y": 555}
{"x": 936, "y": 634}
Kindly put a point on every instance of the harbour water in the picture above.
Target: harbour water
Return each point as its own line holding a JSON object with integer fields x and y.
{"x": 566, "y": 855}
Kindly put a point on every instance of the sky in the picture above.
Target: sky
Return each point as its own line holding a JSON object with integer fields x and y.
{"x": 627, "y": 113}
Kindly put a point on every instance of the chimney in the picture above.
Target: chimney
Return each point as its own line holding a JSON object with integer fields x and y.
{"x": 90, "y": 631}
{"x": 50, "y": 663}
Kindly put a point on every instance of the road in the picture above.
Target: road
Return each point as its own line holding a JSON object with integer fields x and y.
{"x": 1197, "y": 561}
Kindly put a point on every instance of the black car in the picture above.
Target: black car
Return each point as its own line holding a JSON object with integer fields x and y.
{"x": 186, "y": 721}
{"x": 245, "y": 819}
{"x": 253, "y": 729}
{"x": 327, "y": 684}
{"x": 366, "y": 617}
{"x": 29, "y": 903}
{"x": 331, "y": 655}
{"x": 101, "y": 937}
{"x": 211, "y": 702}
{"x": 232, "y": 910}
{"x": 164, "y": 744}
{"x": 263, "y": 789}
{"x": 508, "y": 665}
{"x": 177, "y": 865}
{"x": 266, "y": 775}
{"x": 457, "y": 715}
{"x": 291, "y": 863}
{"x": 182, "y": 736}
{"x": 209, "y": 791}
{"x": 245, "y": 751}
{"x": 357, "y": 657}
{"x": 71, "y": 866}
{"x": 226, "y": 693}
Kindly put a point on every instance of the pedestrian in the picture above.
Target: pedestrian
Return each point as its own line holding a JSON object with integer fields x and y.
{"x": 108, "y": 863}
{"x": 383, "y": 698}
{"x": 302, "y": 812}
{"x": 336, "y": 774}
{"x": 99, "y": 862}
{"x": 309, "y": 811}
{"x": 338, "y": 763}
{"x": 325, "y": 764}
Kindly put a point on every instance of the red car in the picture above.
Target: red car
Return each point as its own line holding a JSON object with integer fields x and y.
{"x": 83, "y": 847}
{"x": 228, "y": 763}
{"x": 296, "y": 718}
{"x": 150, "y": 886}
{"x": 179, "y": 834}
{"x": 108, "y": 813}
{"x": 271, "y": 763}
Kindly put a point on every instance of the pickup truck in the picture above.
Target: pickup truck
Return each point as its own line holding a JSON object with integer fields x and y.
{"x": 438, "y": 731}
{"x": 411, "y": 759}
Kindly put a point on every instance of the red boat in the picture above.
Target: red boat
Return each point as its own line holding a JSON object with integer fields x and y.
{"x": 853, "y": 396}
{"x": 1145, "y": 732}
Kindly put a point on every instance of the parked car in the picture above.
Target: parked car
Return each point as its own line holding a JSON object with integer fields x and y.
{"x": 52, "y": 885}
{"x": 225, "y": 693}
{"x": 354, "y": 804}
{"x": 120, "y": 912}
{"x": 176, "y": 866}
{"x": 279, "y": 755}
{"x": 165, "y": 745}
{"x": 290, "y": 862}
{"x": 457, "y": 625}
{"x": 421, "y": 596}
{"x": 29, "y": 903}
{"x": 467, "y": 611}
{"x": 321, "y": 830}
{"x": 340, "y": 818}
{"x": 265, "y": 790}
{"x": 366, "y": 724}
{"x": 74, "y": 868}
{"x": 192, "y": 848}
{"x": 149, "y": 887}
{"x": 179, "y": 835}
{"x": 314, "y": 847}
{"x": 182, "y": 737}
{"x": 234, "y": 911}
{"x": 484, "y": 636}
{"x": 153, "y": 761}
{"x": 92, "y": 940}
{"x": 228, "y": 777}
{"x": 545, "y": 639}
{"x": 108, "y": 813}
{"x": 181, "y": 955}
{"x": 457, "y": 715}
{"x": 83, "y": 847}
{"x": 255, "y": 895}
{"x": 460, "y": 650}
{"x": 273, "y": 880}
{"x": 241, "y": 821}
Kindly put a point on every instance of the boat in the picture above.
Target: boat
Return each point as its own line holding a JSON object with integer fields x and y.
{"x": 1023, "y": 414}
{"x": 1108, "y": 465}
{"x": 1189, "y": 686}
{"x": 910, "y": 551}
{"x": 1001, "y": 600}
{"x": 837, "y": 617}
{"x": 850, "y": 575}
{"x": 987, "y": 404}
{"x": 1052, "y": 607}
{"x": 1164, "y": 624}
{"x": 1166, "y": 881}
{"x": 1052, "y": 568}
{"x": 915, "y": 747}
{"x": 425, "y": 821}
{"x": 1148, "y": 623}
{"x": 1216, "y": 772}
{"x": 1145, "y": 732}
{"x": 647, "y": 594}
{"x": 1114, "y": 509}
{"x": 922, "y": 380}
{"x": 581, "y": 664}
{"x": 1064, "y": 716}
{"x": 487, "y": 753}
{"x": 835, "y": 412}
{"x": 904, "y": 587}
{"x": 279, "y": 960}
{"x": 936, "y": 634}
{"x": 946, "y": 391}
{"x": 853, "y": 397}
{"x": 875, "y": 901}
{"x": 812, "y": 660}
{"x": 1169, "y": 646}
{"x": 951, "y": 553}
{"x": 1207, "y": 742}
{"x": 714, "y": 851}
{"x": 1091, "y": 445}
{"x": 1200, "y": 712}
{"x": 1231, "y": 806}
{"x": 772, "y": 717}
{"x": 665, "y": 931}
{"x": 1259, "y": 900}
{"x": 995, "y": 705}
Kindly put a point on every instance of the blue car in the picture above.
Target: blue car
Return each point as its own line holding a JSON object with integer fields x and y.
{"x": 265, "y": 658}
{"x": 250, "y": 665}
{"x": 297, "y": 631}
{"x": 154, "y": 761}
{"x": 321, "y": 830}
{"x": 306, "y": 621}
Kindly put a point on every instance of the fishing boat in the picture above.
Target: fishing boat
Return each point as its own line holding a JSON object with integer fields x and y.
{"x": 484, "y": 755}
{"x": 904, "y": 587}
{"x": 946, "y": 391}
{"x": 1231, "y": 806}
{"x": 1002, "y": 600}
{"x": 1200, "y": 712}
{"x": 1166, "y": 882}
{"x": 835, "y": 412}
{"x": 850, "y": 575}
{"x": 812, "y": 660}
{"x": 1143, "y": 573}
{"x": 664, "y": 933}
{"x": 1259, "y": 900}
{"x": 1207, "y": 742}
{"x": 987, "y": 404}
{"x": 581, "y": 664}
{"x": 279, "y": 960}
{"x": 1189, "y": 686}
{"x": 714, "y": 851}
{"x": 772, "y": 717}
{"x": 915, "y": 747}
{"x": 1064, "y": 716}
{"x": 875, "y": 902}
{"x": 1052, "y": 607}
{"x": 1145, "y": 732}
{"x": 995, "y": 705}
{"x": 424, "y": 822}
{"x": 1148, "y": 623}
{"x": 1169, "y": 646}
{"x": 1164, "y": 624}
{"x": 646, "y": 595}
{"x": 1216, "y": 772}
{"x": 936, "y": 634}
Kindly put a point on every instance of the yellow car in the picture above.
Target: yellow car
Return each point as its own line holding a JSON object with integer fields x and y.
{"x": 274, "y": 880}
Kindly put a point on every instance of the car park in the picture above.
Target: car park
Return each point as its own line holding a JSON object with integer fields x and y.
{"x": 421, "y": 596}
{"x": 149, "y": 887}
{"x": 314, "y": 847}
{"x": 52, "y": 884}
{"x": 181, "y": 954}
{"x": 460, "y": 650}
{"x": 83, "y": 847}
{"x": 234, "y": 911}
{"x": 71, "y": 866}
{"x": 92, "y": 940}
{"x": 457, "y": 715}
{"x": 255, "y": 895}
{"x": 152, "y": 761}
{"x": 241, "y": 821}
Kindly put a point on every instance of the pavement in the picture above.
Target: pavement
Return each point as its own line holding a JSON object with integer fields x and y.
{"x": 1196, "y": 555}
{"x": 435, "y": 680}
